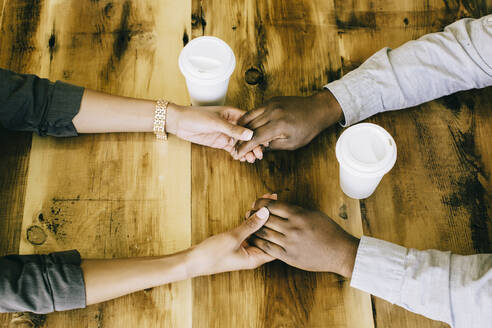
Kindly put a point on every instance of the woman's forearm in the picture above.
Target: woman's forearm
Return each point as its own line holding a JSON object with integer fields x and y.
{"x": 228, "y": 251}
{"x": 100, "y": 112}
{"x": 112, "y": 278}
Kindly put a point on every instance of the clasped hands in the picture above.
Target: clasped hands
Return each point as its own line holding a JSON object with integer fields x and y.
{"x": 283, "y": 123}
{"x": 273, "y": 229}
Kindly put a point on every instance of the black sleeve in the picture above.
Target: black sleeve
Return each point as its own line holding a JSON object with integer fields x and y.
{"x": 41, "y": 283}
{"x": 29, "y": 103}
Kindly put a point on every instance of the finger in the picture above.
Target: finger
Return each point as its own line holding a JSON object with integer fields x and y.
{"x": 270, "y": 196}
{"x": 278, "y": 207}
{"x": 271, "y": 236}
{"x": 222, "y": 142}
{"x": 232, "y": 114}
{"x": 259, "y": 121}
{"x": 257, "y": 256}
{"x": 230, "y": 145}
{"x": 252, "y": 224}
{"x": 264, "y": 134}
{"x": 235, "y": 131}
{"x": 265, "y": 146}
{"x": 268, "y": 247}
{"x": 251, "y": 115}
{"x": 250, "y": 157}
{"x": 278, "y": 224}
{"x": 258, "y": 152}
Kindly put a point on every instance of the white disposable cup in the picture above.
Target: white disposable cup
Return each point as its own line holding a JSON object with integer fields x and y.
{"x": 207, "y": 63}
{"x": 365, "y": 152}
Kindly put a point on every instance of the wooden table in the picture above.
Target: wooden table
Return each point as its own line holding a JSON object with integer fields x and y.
{"x": 125, "y": 195}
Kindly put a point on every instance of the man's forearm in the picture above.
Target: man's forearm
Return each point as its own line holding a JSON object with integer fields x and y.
{"x": 438, "y": 64}
{"x": 439, "y": 285}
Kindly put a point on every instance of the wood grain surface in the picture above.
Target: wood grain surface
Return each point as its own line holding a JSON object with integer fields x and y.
{"x": 438, "y": 193}
{"x": 280, "y": 49}
{"x": 114, "y": 195}
{"x": 16, "y": 27}
{"x": 126, "y": 195}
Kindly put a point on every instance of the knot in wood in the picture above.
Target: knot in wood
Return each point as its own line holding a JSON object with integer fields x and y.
{"x": 36, "y": 235}
{"x": 253, "y": 76}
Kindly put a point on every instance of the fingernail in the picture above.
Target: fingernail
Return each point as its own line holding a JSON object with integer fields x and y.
{"x": 263, "y": 213}
{"x": 247, "y": 135}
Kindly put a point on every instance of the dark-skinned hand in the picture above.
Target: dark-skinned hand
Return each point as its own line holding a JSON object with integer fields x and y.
{"x": 306, "y": 239}
{"x": 288, "y": 123}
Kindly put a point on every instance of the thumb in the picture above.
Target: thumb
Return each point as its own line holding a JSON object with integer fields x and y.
{"x": 235, "y": 131}
{"x": 253, "y": 223}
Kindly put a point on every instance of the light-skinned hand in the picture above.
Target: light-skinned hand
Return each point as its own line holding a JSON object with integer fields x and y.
{"x": 212, "y": 126}
{"x": 230, "y": 251}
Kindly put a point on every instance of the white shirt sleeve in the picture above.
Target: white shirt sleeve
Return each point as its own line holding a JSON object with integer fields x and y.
{"x": 439, "y": 285}
{"x": 437, "y": 64}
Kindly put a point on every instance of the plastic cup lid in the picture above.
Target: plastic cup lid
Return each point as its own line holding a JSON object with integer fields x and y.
{"x": 207, "y": 59}
{"x": 366, "y": 149}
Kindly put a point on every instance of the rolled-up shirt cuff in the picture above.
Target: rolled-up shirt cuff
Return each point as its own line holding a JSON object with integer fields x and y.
{"x": 64, "y": 105}
{"x": 66, "y": 280}
{"x": 41, "y": 283}
{"x": 359, "y": 92}
{"x": 379, "y": 268}
{"x": 356, "y": 95}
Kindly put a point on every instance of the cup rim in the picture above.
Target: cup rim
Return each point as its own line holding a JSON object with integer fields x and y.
{"x": 192, "y": 77}
{"x": 360, "y": 169}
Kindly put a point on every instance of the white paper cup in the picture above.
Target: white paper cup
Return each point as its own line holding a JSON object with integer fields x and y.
{"x": 365, "y": 152}
{"x": 207, "y": 63}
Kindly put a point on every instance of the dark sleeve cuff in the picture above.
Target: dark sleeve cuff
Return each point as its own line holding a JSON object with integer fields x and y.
{"x": 64, "y": 105}
{"x": 66, "y": 280}
{"x": 29, "y": 103}
{"x": 41, "y": 283}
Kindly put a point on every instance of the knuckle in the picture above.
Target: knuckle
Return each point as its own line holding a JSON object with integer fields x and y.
{"x": 276, "y": 110}
{"x": 261, "y": 233}
{"x": 303, "y": 225}
{"x": 263, "y": 202}
{"x": 252, "y": 222}
{"x": 280, "y": 125}
{"x": 294, "y": 232}
{"x": 266, "y": 245}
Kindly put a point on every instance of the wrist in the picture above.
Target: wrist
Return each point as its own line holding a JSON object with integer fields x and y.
{"x": 174, "y": 113}
{"x": 349, "y": 254}
{"x": 328, "y": 110}
{"x": 196, "y": 262}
